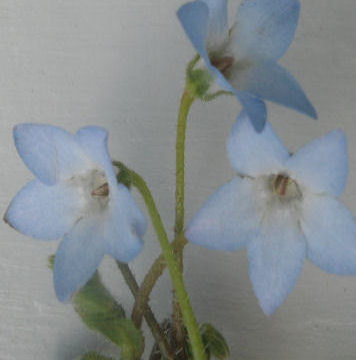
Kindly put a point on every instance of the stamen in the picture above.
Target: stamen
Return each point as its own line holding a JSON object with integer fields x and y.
{"x": 101, "y": 191}
{"x": 284, "y": 187}
{"x": 280, "y": 184}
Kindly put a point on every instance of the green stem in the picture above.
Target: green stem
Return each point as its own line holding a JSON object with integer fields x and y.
{"x": 150, "y": 280}
{"x": 185, "y": 104}
{"x": 176, "y": 275}
{"x": 179, "y": 242}
{"x": 148, "y": 314}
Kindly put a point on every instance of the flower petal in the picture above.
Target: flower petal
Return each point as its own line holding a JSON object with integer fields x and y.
{"x": 93, "y": 140}
{"x": 194, "y": 17}
{"x": 264, "y": 29}
{"x": 44, "y": 212}
{"x": 115, "y": 231}
{"x": 251, "y": 153}
{"x": 218, "y": 28}
{"x": 205, "y": 23}
{"x": 276, "y": 259}
{"x": 330, "y": 230}
{"x": 322, "y": 164}
{"x": 125, "y": 227}
{"x": 268, "y": 80}
{"x": 49, "y": 152}
{"x": 77, "y": 258}
{"x": 228, "y": 219}
{"x": 255, "y": 109}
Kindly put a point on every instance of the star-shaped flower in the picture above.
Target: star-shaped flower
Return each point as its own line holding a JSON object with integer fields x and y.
{"x": 283, "y": 208}
{"x": 243, "y": 60}
{"x": 75, "y": 196}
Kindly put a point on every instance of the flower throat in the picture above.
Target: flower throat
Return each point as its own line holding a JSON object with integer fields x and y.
{"x": 284, "y": 187}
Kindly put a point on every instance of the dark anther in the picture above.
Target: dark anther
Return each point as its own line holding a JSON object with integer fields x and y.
{"x": 280, "y": 184}
{"x": 102, "y": 190}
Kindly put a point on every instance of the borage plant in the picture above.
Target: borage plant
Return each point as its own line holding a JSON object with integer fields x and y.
{"x": 282, "y": 207}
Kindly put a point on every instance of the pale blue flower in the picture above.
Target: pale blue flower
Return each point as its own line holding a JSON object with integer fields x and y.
{"x": 75, "y": 196}
{"x": 282, "y": 208}
{"x": 244, "y": 59}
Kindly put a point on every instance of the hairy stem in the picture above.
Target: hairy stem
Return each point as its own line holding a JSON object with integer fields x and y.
{"x": 172, "y": 264}
{"x": 186, "y": 102}
{"x": 156, "y": 330}
{"x": 150, "y": 280}
{"x": 185, "y": 105}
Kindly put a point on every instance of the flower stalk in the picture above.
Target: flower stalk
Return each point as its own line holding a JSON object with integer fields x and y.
{"x": 176, "y": 275}
{"x": 186, "y": 102}
{"x": 150, "y": 280}
{"x": 156, "y": 330}
{"x": 185, "y": 105}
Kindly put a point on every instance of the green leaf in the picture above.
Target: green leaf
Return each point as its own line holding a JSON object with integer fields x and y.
{"x": 214, "y": 343}
{"x": 100, "y": 312}
{"x": 93, "y": 356}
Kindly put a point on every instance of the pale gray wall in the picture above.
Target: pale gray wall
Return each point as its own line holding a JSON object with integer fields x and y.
{"x": 120, "y": 64}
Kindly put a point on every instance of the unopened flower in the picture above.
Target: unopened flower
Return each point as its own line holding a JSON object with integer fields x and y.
{"x": 283, "y": 208}
{"x": 243, "y": 60}
{"x": 75, "y": 196}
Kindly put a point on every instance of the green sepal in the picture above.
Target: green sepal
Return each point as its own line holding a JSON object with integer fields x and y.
{"x": 214, "y": 343}
{"x": 211, "y": 96}
{"x": 100, "y": 312}
{"x": 124, "y": 176}
{"x": 93, "y": 356}
{"x": 198, "y": 82}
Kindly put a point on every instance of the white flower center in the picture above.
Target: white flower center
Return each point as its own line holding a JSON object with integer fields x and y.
{"x": 278, "y": 194}
{"x": 94, "y": 191}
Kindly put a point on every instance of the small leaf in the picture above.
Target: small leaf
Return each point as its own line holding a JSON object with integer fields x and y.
{"x": 93, "y": 356}
{"x": 100, "y": 312}
{"x": 214, "y": 343}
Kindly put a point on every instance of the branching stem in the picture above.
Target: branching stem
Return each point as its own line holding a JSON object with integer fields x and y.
{"x": 176, "y": 275}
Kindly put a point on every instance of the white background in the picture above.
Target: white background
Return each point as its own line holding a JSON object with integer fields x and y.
{"x": 120, "y": 64}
